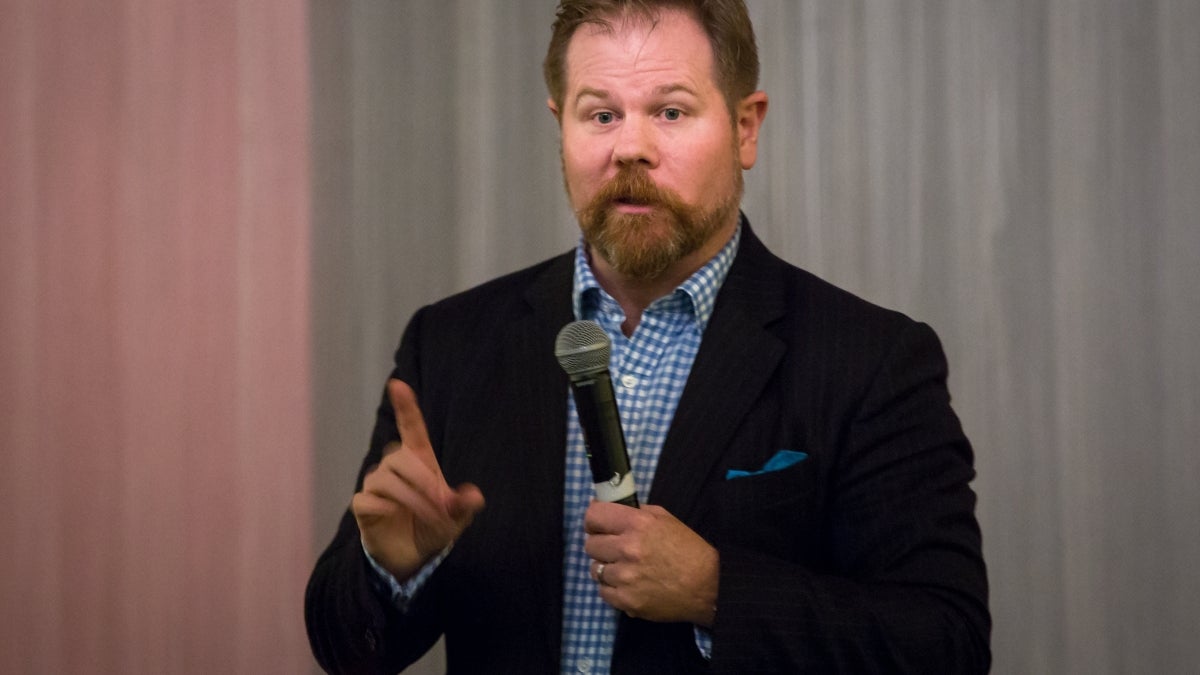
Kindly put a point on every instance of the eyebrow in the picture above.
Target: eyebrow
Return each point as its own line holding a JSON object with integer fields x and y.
{"x": 589, "y": 91}
{"x": 673, "y": 88}
{"x": 663, "y": 90}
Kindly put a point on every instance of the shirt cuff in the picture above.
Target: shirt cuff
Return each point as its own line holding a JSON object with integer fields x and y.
{"x": 703, "y": 641}
{"x": 400, "y": 594}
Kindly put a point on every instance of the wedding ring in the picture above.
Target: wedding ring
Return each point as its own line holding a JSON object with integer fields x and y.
{"x": 600, "y": 574}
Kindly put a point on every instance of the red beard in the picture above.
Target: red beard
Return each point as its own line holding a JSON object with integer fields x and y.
{"x": 644, "y": 245}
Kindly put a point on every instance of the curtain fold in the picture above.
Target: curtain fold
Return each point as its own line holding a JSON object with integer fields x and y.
{"x": 154, "y": 346}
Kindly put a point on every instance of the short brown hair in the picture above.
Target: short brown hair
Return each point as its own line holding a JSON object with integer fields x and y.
{"x": 735, "y": 54}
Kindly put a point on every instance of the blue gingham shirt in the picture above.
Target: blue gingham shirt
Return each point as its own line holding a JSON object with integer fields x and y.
{"x": 649, "y": 370}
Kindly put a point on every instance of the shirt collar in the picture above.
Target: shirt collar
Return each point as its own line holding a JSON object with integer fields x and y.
{"x": 700, "y": 289}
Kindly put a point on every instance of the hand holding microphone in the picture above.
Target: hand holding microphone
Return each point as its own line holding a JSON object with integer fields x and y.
{"x": 647, "y": 563}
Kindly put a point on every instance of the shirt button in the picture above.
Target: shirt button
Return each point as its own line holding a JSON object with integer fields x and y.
{"x": 585, "y": 665}
{"x": 629, "y": 381}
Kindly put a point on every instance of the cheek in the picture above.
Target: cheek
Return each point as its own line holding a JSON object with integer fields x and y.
{"x": 581, "y": 150}
{"x": 719, "y": 169}
{"x": 700, "y": 181}
{"x": 583, "y": 175}
{"x": 578, "y": 186}
{"x": 700, "y": 165}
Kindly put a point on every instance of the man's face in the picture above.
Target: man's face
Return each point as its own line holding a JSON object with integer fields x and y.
{"x": 651, "y": 157}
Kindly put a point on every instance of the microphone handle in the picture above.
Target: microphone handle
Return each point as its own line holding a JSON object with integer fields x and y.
{"x": 596, "y": 404}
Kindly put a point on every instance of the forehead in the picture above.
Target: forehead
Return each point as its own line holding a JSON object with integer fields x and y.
{"x": 671, "y": 48}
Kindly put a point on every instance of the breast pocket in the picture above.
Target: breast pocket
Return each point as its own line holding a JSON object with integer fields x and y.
{"x": 774, "y": 513}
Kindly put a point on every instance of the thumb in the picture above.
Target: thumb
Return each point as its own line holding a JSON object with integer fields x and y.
{"x": 464, "y": 502}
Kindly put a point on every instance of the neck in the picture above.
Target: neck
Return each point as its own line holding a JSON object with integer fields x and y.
{"x": 635, "y": 294}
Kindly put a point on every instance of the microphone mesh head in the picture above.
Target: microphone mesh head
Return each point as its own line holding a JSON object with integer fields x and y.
{"x": 582, "y": 347}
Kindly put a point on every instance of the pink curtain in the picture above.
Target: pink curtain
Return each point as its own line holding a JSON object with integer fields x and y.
{"x": 155, "y": 453}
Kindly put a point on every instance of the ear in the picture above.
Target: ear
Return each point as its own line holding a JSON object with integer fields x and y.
{"x": 751, "y": 111}
{"x": 554, "y": 110}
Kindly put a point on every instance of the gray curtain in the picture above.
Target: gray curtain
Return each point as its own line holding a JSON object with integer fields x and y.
{"x": 1023, "y": 175}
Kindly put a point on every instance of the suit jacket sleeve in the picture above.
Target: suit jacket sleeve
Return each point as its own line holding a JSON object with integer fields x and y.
{"x": 351, "y": 627}
{"x": 482, "y": 365}
{"x": 891, "y": 578}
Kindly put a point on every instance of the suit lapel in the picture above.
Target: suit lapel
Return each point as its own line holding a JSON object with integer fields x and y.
{"x": 736, "y": 359}
{"x": 539, "y": 406}
{"x": 540, "y": 386}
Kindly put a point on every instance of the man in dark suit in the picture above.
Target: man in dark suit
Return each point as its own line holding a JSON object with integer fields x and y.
{"x": 808, "y": 505}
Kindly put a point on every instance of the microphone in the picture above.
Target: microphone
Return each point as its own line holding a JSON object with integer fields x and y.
{"x": 582, "y": 349}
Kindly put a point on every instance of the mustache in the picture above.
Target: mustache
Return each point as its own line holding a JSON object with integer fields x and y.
{"x": 633, "y": 185}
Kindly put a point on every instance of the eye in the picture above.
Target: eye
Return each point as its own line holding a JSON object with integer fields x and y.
{"x": 604, "y": 117}
{"x": 672, "y": 114}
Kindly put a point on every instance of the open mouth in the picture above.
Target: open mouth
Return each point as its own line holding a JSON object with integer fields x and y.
{"x": 632, "y": 201}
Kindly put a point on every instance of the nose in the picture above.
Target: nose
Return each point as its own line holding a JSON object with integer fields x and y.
{"x": 635, "y": 142}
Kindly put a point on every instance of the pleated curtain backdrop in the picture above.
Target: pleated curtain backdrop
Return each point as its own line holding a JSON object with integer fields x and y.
{"x": 155, "y": 435}
{"x": 1024, "y": 175}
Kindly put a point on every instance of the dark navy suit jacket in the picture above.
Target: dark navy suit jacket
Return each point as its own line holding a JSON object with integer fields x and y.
{"x": 864, "y": 557}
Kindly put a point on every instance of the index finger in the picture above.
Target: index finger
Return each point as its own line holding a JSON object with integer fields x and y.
{"x": 606, "y": 518}
{"x": 409, "y": 420}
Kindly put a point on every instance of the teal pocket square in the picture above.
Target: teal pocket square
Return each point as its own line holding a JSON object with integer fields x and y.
{"x": 780, "y": 460}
